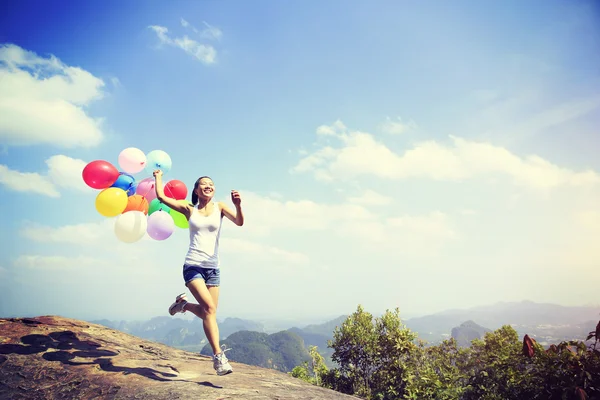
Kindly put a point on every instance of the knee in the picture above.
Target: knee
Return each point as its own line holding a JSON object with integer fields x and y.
{"x": 209, "y": 310}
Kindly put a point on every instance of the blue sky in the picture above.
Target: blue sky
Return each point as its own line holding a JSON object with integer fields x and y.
{"x": 395, "y": 154}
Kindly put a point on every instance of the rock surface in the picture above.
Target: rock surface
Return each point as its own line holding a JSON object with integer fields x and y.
{"x": 52, "y": 357}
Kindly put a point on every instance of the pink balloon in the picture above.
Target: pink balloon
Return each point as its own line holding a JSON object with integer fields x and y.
{"x": 132, "y": 160}
{"x": 160, "y": 225}
{"x": 146, "y": 189}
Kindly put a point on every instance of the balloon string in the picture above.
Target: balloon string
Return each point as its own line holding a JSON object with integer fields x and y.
{"x": 148, "y": 191}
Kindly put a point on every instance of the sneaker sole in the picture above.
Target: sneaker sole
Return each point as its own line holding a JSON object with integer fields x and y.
{"x": 224, "y": 373}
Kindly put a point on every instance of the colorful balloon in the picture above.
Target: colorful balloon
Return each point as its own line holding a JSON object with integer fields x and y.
{"x": 125, "y": 182}
{"x": 111, "y": 202}
{"x": 132, "y": 160}
{"x": 176, "y": 189}
{"x": 158, "y": 159}
{"x": 99, "y": 174}
{"x": 178, "y": 218}
{"x": 160, "y": 225}
{"x": 156, "y": 205}
{"x": 131, "y": 226}
{"x": 136, "y": 203}
{"x": 146, "y": 188}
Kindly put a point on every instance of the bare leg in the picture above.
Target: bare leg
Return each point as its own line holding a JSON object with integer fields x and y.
{"x": 214, "y": 294}
{"x": 206, "y": 310}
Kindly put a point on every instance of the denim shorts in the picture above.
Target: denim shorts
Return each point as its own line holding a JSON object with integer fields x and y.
{"x": 210, "y": 276}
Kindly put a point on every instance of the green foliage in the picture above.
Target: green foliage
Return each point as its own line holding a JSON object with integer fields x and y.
{"x": 302, "y": 372}
{"x": 371, "y": 354}
{"x": 436, "y": 372}
{"x": 379, "y": 358}
{"x": 496, "y": 367}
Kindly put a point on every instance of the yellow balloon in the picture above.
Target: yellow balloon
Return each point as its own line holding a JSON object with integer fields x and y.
{"x": 111, "y": 201}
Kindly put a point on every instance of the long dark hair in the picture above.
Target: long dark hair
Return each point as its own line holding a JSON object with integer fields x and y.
{"x": 194, "y": 195}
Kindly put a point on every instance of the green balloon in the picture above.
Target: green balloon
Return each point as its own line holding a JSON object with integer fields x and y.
{"x": 156, "y": 205}
{"x": 179, "y": 219}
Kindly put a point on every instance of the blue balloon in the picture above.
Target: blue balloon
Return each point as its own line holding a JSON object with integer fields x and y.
{"x": 126, "y": 182}
{"x": 158, "y": 159}
{"x": 132, "y": 189}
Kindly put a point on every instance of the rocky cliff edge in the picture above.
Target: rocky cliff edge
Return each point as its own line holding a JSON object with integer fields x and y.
{"x": 51, "y": 357}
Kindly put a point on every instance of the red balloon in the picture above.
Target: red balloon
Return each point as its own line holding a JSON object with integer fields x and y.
{"x": 100, "y": 174}
{"x": 176, "y": 190}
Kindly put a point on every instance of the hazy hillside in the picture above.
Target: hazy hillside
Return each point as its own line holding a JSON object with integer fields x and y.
{"x": 467, "y": 332}
{"x": 281, "y": 351}
{"x": 178, "y": 332}
{"x": 318, "y": 335}
{"x": 548, "y": 321}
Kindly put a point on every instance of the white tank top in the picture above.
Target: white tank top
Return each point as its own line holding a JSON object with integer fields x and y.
{"x": 204, "y": 238}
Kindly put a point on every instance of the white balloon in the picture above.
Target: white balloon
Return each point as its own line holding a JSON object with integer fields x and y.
{"x": 131, "y": 226}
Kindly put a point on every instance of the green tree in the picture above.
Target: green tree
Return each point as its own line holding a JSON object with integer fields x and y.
{"x": 302, "y": 372}
{"x": 354, "y": 344}
{"x": 395, "y": 346}
{"x": 497, "y": 369}
{"x": 317, "y": 364}
{"x": 312, "y": 372}
{"x": 436, "y": 372}
{"x": 379, "y": 358}
{"x": 372, "y": 355}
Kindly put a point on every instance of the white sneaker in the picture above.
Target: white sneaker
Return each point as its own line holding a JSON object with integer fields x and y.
{"x": 177, "y": 307}
{"x": 221, "y": 363}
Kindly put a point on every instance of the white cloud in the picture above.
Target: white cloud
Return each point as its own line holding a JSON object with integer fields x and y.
{"x": 354, "y": 223}
{"x": 27, "y": 182}
{"x": 360, "y": 154}
{"x": 261, "y": 252}
{"x": 202, "y": 52}
{"x": 211, "y": 32}
{"x": 396, "y": 127}
{"x": 556, "y": 115}
{"x": 434, "y": 225}
{"x": 468, "y": 211}
{"x": 42, "y": 101}
{"x": 55, "y": 262}
{"x": 85, "y": 234}
{"x": 371, "y": 198}
{"x": 62, "y": 171}
{"x": 66, "y": 172}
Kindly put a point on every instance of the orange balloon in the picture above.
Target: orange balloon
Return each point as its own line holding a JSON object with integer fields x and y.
{"x": 137, "y": 202}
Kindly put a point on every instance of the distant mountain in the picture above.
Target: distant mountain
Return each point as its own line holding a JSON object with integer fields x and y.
{"x": 231, "y": 325}
{"x": 467, "y": 332}
{"x": 178, "y": 332}
{"x": 281, "y": 351}
{"x": 325, "y": 328}
{"x": 319, "y": 335}
{"x": 547, "y": 323}
{"x": 525, "y": 317}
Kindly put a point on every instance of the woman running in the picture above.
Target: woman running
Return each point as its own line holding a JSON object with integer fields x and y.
{"x": 201, "y": 271}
